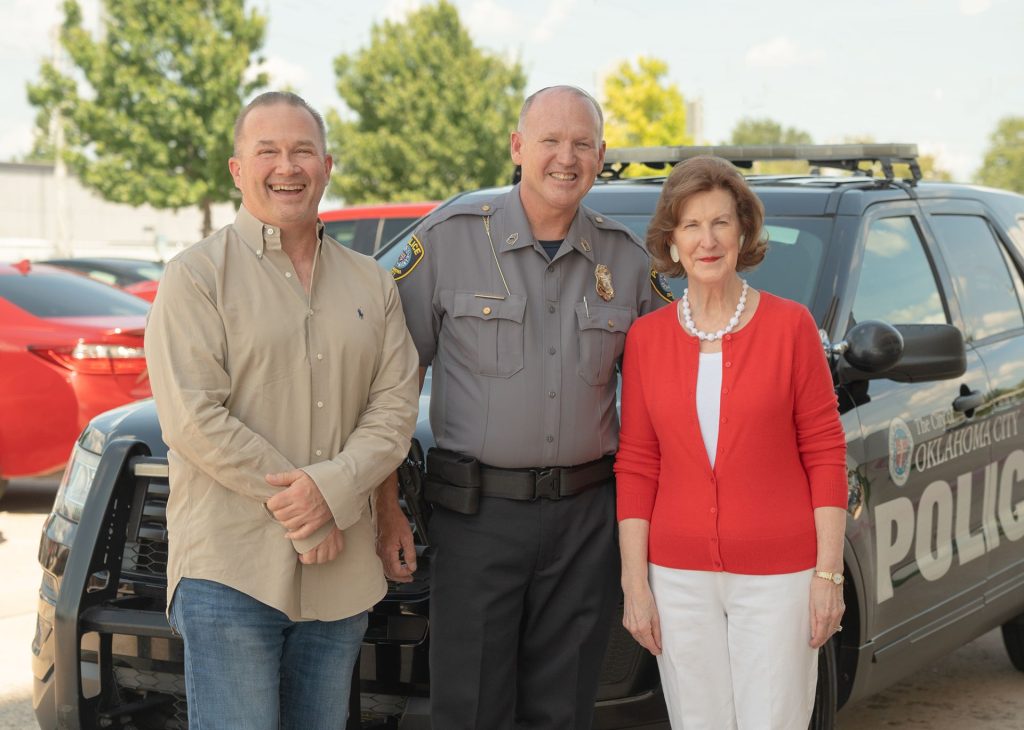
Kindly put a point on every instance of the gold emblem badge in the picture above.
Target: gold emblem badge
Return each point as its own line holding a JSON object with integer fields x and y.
{"x": 603, "y": 279}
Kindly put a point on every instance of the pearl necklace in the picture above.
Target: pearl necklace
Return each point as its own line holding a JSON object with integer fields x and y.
{"x": 712, "y": 336}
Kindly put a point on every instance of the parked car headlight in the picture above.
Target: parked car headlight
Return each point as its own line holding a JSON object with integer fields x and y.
{"x": 76, "y": 483}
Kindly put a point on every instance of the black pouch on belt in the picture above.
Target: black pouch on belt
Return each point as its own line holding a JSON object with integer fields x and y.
{"x": 453, "y": 481}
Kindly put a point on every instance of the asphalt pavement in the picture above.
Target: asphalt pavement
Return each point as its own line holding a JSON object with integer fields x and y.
{"x": 974, "y": 688}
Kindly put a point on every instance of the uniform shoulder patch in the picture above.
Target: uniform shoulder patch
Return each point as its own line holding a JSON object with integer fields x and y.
{"x": 410, "y": 257}
{"x": 660, "y": 286}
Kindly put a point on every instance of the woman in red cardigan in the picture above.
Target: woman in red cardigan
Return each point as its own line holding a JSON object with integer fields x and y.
{"x": 731, "y": 472}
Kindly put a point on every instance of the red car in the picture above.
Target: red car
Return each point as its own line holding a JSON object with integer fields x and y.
{"x": 366, "y": 228}
{"x": 70, "y": 348}
{"x": 136, "y": 276}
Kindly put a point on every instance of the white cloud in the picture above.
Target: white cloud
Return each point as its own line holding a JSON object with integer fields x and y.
{"x": 781, "y": 52}
{"x": 974, "y": 7}
{"x": 960, "y": 163}
{"x": 398, "y": 10}
{"x": 15, "y": 140}
{"x": 558, "y": 11}
{"x": 282, "y": 73}
{"x": 486, "y": 17}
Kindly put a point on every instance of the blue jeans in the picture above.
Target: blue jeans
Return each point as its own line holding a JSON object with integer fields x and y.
{"x": 247, "y": 665}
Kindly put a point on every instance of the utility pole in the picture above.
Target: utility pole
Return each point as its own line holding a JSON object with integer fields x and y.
{"x": 61, "y": 240}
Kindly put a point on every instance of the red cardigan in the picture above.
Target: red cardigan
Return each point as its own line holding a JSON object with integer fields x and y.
{"x": 781, "y": 446}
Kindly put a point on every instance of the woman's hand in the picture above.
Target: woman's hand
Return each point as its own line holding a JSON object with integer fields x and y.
{"x": 827, "y": 609}
{"x": 640, "y": 617}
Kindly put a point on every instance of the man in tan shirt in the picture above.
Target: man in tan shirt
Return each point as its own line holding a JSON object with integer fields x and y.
{"x": 285, "y": 383}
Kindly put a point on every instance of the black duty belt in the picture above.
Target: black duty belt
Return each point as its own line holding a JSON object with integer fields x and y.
{"x": 552, "y": 483}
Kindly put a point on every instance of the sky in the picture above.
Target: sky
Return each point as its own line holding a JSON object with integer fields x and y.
{"x": 939, "y": 73}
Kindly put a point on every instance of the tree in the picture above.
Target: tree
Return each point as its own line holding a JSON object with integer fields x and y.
{"x": 162, "y": 86}
{"x": 432, "y": 112}
{"x": 762, "y": 131}
{"x": 1003, "y": 165}
{"x": 643, "y": 110}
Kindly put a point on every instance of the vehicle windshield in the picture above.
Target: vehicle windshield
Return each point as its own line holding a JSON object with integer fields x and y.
{"x": 68, "y": 295}
{"x": 796, "y": 248}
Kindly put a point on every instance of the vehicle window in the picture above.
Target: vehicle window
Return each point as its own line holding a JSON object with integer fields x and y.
{"x": 983, "y": 284}
{"x": 52, "y": 295}
{"x": 107, "y": 278}
{"x": 394, "y": 226}
{"x": 896, "y": 283}
{"x": 341, "y": 231}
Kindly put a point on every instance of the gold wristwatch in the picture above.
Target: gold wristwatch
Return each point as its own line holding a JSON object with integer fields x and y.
{"x": 836, "y": 578}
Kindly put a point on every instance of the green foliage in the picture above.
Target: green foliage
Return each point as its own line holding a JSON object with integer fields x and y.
{"x": 763, "y": 130}
{"x": 642, "y": 109}
{"x": 1003, "y": 166}
{"x": 152, "y": 120}
{"x": 432, "y": 112}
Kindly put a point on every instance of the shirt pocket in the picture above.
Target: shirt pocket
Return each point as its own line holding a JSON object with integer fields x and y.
{"x": 495, "y": 327}
{"x": 602, "y": 337}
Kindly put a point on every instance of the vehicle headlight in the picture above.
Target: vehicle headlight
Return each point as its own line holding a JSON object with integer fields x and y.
{"x": 76, "y": 483}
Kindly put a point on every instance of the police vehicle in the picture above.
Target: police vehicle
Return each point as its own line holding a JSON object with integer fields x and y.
{"x": 934, "y": 553}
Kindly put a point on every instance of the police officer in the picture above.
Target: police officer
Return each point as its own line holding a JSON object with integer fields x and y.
{"x": 521, "y": 304}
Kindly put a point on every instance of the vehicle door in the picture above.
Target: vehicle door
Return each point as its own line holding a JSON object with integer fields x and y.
{"x": 920, "y": 529}
{"x": 989, "y": 286}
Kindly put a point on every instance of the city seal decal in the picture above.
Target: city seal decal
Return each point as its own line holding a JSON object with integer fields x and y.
{"x": 901, "y": 446}
{"x": 410, "y": 257}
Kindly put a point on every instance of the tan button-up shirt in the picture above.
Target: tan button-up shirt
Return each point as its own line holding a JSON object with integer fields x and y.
{"x": 253, "y": 376}
{"x": 524, "y": 349}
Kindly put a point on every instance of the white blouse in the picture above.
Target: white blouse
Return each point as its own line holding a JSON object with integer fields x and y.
{"x": 709, "y": 400}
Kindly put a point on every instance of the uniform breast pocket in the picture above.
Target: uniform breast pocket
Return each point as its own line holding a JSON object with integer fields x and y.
{"x": 602, "y": 337}
{"x": 495, "y": 328}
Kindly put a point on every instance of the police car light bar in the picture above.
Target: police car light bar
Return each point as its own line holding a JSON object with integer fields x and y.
{"x": 842, "y": 156}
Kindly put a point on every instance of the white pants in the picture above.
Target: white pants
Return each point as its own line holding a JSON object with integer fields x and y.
{"x": 735, "y": 651}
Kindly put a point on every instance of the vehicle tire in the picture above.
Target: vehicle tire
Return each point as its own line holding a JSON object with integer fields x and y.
{"x": 823, "y": 716}
{"x": 1013, "y": 639}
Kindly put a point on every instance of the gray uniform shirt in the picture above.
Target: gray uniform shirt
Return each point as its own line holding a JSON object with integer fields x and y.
{"x": 523, "y": 377}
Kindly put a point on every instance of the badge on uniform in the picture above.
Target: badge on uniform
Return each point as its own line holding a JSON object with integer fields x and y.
{"x": 411, "y": 255}
{"x": 603, "y": 282}
{"x": 660, "y": 286}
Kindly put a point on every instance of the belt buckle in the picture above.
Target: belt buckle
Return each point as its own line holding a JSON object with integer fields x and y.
{"x": 546, "y": 484}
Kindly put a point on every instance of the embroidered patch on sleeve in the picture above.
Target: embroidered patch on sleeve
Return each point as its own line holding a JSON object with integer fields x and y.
{"x": 660, "y": 286}
{"x": 410, "y": 257}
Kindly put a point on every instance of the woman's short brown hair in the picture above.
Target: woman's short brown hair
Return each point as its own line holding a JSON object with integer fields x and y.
{"x": 702, "y": 175}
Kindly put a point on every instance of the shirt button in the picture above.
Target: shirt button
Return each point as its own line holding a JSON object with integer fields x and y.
{"x": 270, "y": 231}
{"x": 309, "y": 312}
{"x": 486, "y": 310}
{"x": 319, "y": 404}
{"x": 718, "y": 564}
{"x": 319, "y": 452}
{"x": 550, "y": 439}
{"x": 287, "y": 274}
{"x": 551, "y": 394}
{"x": 728, "y": 364}
{"x": 725, "y": 419}
{"x": 551, "y": 351}
{"x": 551, "y": 308}
{"x": 319, "y": 356}
{"x": 725, "y": 391}
{"x": 728, "y": 337}
{"x": 611, "y": 322}
{"x": 714, "y": 510}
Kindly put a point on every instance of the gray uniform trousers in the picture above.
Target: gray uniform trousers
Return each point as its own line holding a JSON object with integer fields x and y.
{"x": 522, "y": 600}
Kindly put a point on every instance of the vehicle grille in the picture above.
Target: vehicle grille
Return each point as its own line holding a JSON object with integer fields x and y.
{"x": 146, "y": 557}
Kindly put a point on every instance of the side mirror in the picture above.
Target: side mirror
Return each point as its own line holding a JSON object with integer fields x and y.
{"x": 873, "y": 346}
{"x": 907, "y": 353}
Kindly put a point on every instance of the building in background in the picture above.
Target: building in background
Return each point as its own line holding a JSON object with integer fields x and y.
{"x": 44, "y": 214}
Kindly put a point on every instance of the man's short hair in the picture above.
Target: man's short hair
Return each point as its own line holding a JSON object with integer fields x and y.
{"x": 270, "y": 98}
{"x": 577, "y": 91}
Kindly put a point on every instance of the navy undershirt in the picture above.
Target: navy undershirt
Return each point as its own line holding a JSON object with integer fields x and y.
{"x": 551, "y": 248}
